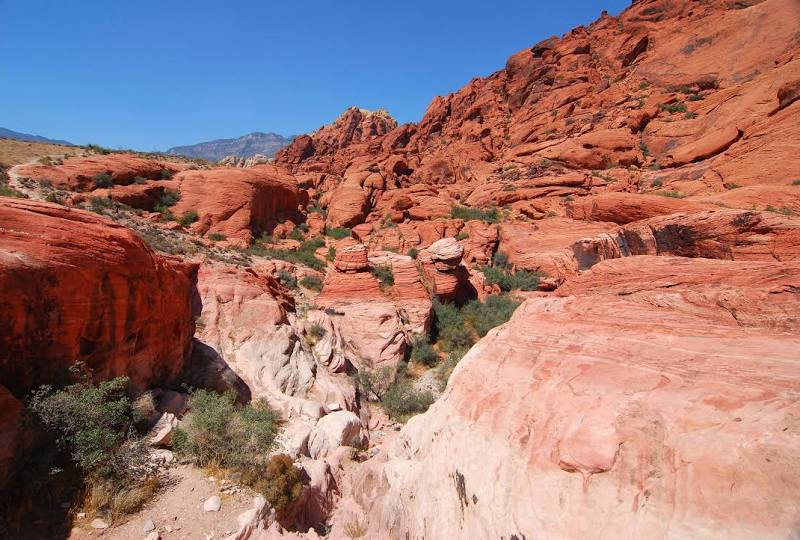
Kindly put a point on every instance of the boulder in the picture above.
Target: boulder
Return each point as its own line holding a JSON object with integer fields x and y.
{"x": 340, "y": 428}
{"x": 351, "y": 259}
{"x": 212, "y": 504}
{"x": 446, "y": 254}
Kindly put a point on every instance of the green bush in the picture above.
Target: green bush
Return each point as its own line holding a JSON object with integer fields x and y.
{"x": 102, "y": 180}
{"x": 168, "y": 199}
{"x": 500, "y": 260}
{"x": 522, "y": 280}
{"x": 305, "y": 254}
{"x": 383, "y": 274}
{"x": 188, "y": 217}
{"x": 283, "y": 482}
{"x": 463, "y": 235}
{"x": 139, "y": 180}
{"x": 373, "y": 384}
{"x": 8, "y": 191}
{"x": 219, "y": 432}
{"x": 673, "y": 108}
{"x": 403, "y": 401}
{"x": 166, "y": 174}
{"x": 297, "y": 234}
{"x": 796, "y": 182}
{"x": 287, "y": 279}
{"x": 97, "y": 149}
{"x": 216, "y": 237}
{"x": 315, "y": 332}
{"x": 331, "y": 255}
{"x": 446, "y": 368}
{"x": 656, "y": 183}
{"x": 466, "y": 213}
{"x": 312, "y": 283}
{"x": 450, "y": 330}
{"x": 494, "y": 311}
{"x": 98, "y": 204}
{"x": 338, "y": 232}
{"x": 423, "y": 352}
{"x": 413, "y": 252}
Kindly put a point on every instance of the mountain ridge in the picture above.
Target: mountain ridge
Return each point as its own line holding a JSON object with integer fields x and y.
{"x": 20, "y": 136}
{"x": 247, "y": 145}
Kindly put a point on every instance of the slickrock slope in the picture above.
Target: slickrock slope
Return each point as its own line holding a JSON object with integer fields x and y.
{"x": 651, "y": 415}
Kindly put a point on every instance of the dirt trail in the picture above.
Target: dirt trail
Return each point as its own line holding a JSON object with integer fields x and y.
{"x": 177, "y": 511}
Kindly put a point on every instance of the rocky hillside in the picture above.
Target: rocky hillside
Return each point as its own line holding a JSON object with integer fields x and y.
{"x": 16, "y": 135}
{"x": 265, "y": 144}
{"x": 562, "y": 305}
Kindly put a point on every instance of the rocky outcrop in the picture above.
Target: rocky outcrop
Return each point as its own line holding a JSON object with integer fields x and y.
{"x": 11, "y": 433}
{"x": 238, "y": 203}
{"x": 87, "y": 290}
{"x": 607, "y": 414}
{"x": 623, "y": 208}
{"x": 728, "y": 234}
{"x": 78, "y": 174}
{"x": 340, "y": 428}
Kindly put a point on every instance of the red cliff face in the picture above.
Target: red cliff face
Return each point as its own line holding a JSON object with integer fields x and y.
{"x": 78, "y": 287}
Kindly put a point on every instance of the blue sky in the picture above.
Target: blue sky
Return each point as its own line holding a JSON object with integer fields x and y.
{"x": 152, "y": 74}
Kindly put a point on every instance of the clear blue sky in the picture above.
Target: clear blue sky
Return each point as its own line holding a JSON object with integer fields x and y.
{"x": 151, "y": 74}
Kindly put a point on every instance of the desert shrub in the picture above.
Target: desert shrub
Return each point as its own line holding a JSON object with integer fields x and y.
{"x": 97, "y": 149}
{"x": 8, "y": 191}
{"x": 732, "y": 185}
{"x": 93, "y": 424}
{"x": 188, "y": 217}
{"x": 52, "y": 197}
{"x": 374, "y": 384}
{"x": 303, "y": 255}
{"x": 450, "y": 329}
{"x": 463, "y": 235}
{"x": 219, "y": 432}
{"x": 494, "y": 311}
{"x": 338, "y": 232}
{"x": 283, "y": 482}
{"x": 656, "y": 183}
{"x": 413, "y": 253}
{"x": 315, "y": 332}
{"x": 671, "y": 194}
{"x": 98, "y": 204}
{"x": 287, "y": 279}
{"x": 102, "y": 180}
{"x": 500, "y": 260}
{"x": 673, "y": 108}
{"x": 402, "y": 400}
{"x": 168, "y": 199}
{"x": 166, "y": 174}
{"x": 446, "y": 368}
{"x": 139, "y": 180}
{"x": 796, "y": 182}
{"x": 331, "y": 255}
{"x": 383, "y": 274}
{"x": 297, "y": 234}
{"x": 467, "y": 213}
{"x": 423, "y": 352}
{"x": 317, "y": 210}
{"x": 216, "y": 237}
{"x": 312, "y": 283}
{"x": 522, "y": 280}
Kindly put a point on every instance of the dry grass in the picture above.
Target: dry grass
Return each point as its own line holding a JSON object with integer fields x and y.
{"x": 120, "y": 500}
{"x": 14, "y": 152}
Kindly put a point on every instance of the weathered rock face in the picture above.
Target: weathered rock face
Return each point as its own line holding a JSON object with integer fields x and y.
{"x": 625, "y": 208}
{"x": 729, "y": 234}
{"x": 79, "y": 173}
{"x": 239, "y": 203}
{"x": 11, "y": 436}
{"x": 82, "y": 288}
{"x": 599, "y": 415}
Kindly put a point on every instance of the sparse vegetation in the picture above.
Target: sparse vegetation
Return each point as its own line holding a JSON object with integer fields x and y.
{"x": 167, "y": 200}
{"x": 93, "y": 424}
{"x": 217, "y": 237}
{"x": 467, "y": 213}
{"x": 671, "y": 194}
{"x": 494, "y": 311}
{"x": 785, "y": 210}
{"x": 139, "y": 180}
{"x": 219, "y": 432}
{"x": 413, "y": 252}
{"x": 423, "y": 352}
{"x": 463, "y": 235}
{"x": 395, "y": 393}
{"x": 383, "y": 274}
{"x": 188, "y": 217}
{"x": 283, "y": 483}
{"x": 8, "y": 191}
{"x": 312, "y": 283}
{"x": 644, "y": 148}
{"x": 732, "y": 185}
{"x": 166, "y": 174}
{"x": 287, "y": 279}
{"x": 673, "y": 108}
{"x": 500, "y": 274}
{"x": 796, "y": 182}
{"x": 305, "y": 254}
{"x": 98, "y": 204}
{"x": 656, "y": 183}
{"x": 102, "y": 180}
{"x": 338, "y": 232}
{"x": 297, "y": 234}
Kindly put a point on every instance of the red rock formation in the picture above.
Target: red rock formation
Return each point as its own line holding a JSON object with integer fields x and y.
{"x": 82, "y": 288}
{"x": 11, "y": 437}
{"x": 79, "y": 173}
{"x": 239, "y": 203}
{"x": 608, "y": 414}
{"x": 625, "y": 208}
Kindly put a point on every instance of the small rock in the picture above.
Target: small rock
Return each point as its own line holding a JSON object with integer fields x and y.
{"x": 149, "y": 526}
{"x": 98, "y": 523}
{"x": 212, "y": 504}
{"x": 169, "y": 529}
{"x": 153, "y": 536}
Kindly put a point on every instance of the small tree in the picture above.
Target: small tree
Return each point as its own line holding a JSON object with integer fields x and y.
{"x": 284, "y": 482}
{"x": 102, "y": 180}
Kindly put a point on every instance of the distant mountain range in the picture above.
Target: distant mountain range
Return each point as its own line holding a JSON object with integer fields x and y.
{"x": 248, "y": 145}
{"x": 10, "y": 134}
